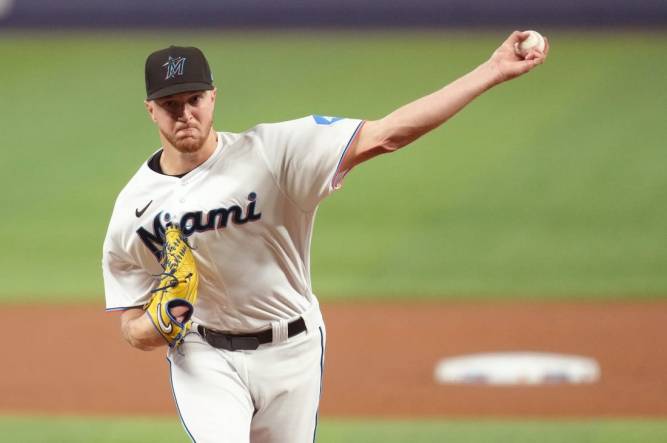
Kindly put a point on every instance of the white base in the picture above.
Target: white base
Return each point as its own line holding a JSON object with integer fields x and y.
{"x": 517, "y": 368}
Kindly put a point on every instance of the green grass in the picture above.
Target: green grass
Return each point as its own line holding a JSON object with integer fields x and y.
{"x": 115, "y": 430}
{"x": 552, "y": 185}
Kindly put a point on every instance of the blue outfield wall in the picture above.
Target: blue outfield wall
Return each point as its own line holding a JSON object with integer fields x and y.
{"x": 344, "y": 13}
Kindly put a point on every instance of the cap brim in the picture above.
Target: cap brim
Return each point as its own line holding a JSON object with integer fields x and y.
{"x": 177, "y": 89}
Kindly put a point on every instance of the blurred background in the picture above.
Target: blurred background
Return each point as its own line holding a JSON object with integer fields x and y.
{"x": 545, "y": 197}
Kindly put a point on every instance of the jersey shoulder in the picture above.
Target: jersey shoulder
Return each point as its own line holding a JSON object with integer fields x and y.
{"x": 297, "y": 124}
{"x": 298, "y": 130}
{"x": 228, "y": 138}
{"x": 272, "y": 128}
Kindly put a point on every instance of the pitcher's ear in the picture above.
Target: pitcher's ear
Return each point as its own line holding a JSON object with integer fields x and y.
{"x": 150, "y": 108}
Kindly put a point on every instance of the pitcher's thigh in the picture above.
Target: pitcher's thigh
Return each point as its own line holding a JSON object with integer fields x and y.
{"x": 289, "y": 401}
{"x": 212, "y": 401}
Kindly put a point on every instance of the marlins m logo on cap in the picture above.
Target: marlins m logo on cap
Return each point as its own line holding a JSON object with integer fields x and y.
{"x": 174, "y": 66}
{"x": 166, "y": 74}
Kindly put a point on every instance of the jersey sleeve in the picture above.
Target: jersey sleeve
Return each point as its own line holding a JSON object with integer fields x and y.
{"x": 126, "y": 284}
{"x": 304, "y": 155}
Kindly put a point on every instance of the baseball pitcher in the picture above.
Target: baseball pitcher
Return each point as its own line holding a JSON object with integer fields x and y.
{"x": 208, "y": 247}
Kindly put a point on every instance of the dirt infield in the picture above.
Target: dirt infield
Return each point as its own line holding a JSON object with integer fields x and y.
{"x": 380, "y": 360}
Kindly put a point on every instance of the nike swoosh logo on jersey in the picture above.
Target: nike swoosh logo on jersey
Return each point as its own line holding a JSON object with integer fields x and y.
{"x": 139, "y": 213}
{"x": 165, "y": 328}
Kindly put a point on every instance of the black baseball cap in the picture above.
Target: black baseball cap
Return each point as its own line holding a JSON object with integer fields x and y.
{"x": 177, "y": 69}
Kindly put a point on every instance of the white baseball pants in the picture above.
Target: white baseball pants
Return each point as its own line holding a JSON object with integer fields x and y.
{"x": 268, "y": 395}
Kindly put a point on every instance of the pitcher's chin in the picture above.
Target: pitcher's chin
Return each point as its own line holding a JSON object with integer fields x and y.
{"x": 189, "y": 143}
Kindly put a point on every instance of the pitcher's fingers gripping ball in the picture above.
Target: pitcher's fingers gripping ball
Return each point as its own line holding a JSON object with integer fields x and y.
{"x": 532, "y": 40}
{"x": 171, "y": 307}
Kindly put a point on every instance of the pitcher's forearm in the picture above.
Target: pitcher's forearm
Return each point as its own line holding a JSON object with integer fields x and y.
{"x": 413, "y": 120}
{"x": 138, "y": 330}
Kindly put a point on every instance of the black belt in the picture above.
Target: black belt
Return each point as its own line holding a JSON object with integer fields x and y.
{"x": 247, "y": 342}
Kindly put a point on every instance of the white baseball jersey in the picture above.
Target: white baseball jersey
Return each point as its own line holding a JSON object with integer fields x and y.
{"x": 248, "y": 213}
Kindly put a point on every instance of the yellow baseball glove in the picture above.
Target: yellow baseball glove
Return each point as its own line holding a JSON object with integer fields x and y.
{"x": 177, "y": 289}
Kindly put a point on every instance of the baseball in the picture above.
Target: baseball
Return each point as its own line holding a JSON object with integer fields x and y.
{"x": 534, "y": 41}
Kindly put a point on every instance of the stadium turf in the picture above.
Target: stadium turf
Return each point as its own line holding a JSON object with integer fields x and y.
{"x": 116, "y": 430}
{"x": 552, "y": 185}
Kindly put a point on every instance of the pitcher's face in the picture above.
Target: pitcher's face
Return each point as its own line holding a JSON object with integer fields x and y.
{"x": 184, "y": 120}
